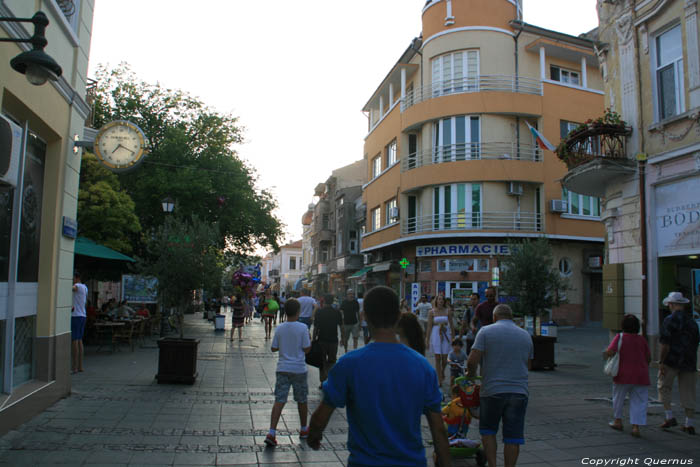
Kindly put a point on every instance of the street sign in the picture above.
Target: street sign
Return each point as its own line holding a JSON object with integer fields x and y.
{"x": 415, "y": 295}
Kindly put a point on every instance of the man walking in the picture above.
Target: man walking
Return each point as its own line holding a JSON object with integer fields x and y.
{"x": 326, "y": 324}
{"x": 308, "y": 308}
{"x": 483, "y": 314}
{"x": 386, "y": 387}
{"x": 423, "y": 310}
{"x": 77, "y": 322}
{"x": 679, "y": 345}
{"x": 351, "y": 319}
{"x": 505, "y": 352}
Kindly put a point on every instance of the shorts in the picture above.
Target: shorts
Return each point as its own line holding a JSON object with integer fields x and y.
{"x": 353, "y": 329}
{"x": 77, "y": 327}
{"x": 297, "y": 381}
{"x": 510, "y": 408}
{"x": 306, "y": 320}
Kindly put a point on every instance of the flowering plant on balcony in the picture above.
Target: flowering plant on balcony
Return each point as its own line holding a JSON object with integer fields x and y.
{"x": 595, "y": 138}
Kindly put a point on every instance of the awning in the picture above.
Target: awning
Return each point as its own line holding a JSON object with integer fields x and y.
{"x": 382, "y": 267}
{"x": 361, "y": 272}
{"x": 86, "y": 247}
{"x": 298, "y": 284}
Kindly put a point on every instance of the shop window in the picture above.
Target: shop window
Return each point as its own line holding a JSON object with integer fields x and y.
{"x": 565, "y": 267}
{"x": 30, "y": 233}
{"x": 23, "y": 369}
{"x": 425, "y": 265}
{"x": 459, "y": 265}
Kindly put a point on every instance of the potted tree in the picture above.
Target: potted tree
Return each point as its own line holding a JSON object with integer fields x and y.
{"x": 534, "y": 284}
{"x": 184, "y": 257}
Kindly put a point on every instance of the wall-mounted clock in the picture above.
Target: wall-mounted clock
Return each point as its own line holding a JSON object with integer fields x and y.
{"x": 120, "y": 146}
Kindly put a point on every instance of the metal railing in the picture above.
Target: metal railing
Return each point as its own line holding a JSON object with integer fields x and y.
{"x": 472, "y": 151}
{"x": 493, "y": 220}
{"x": 482, "y": 83}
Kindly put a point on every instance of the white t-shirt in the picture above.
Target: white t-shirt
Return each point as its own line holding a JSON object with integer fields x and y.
{"x": 291, "y": 338}
{"x": 79, "y": 298}
{"x": 307, "y": 306}
{"x": 423, "y": 310}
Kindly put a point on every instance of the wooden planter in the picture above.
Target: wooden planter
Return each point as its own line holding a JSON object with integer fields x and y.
{"x": 177, "y": 361}
{"x": 543, "y": 347}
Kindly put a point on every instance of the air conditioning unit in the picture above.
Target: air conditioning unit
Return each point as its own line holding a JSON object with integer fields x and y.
{"x": 394, "y": 212}
{"x": 10, "y": 147}
{"x": 558, "y": 205}
{"x": 515, "y": 188}
{"x": 367, "y": 258}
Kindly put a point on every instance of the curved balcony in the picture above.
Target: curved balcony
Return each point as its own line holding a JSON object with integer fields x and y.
{"x": 472, "y": 151}
{"x": 481, "y": 83}
{"x": 490, "y": 220}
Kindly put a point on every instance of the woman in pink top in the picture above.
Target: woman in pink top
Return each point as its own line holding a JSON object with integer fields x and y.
{"x": 633, "y": 375}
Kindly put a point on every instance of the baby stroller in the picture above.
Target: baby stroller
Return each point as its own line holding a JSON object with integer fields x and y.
{"x": 457, "y": 415}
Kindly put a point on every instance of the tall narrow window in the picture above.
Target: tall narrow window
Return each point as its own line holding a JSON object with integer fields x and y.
{"x": 412, "y": 150}
{"x": 376, "y": 166}
{"x": 456, "y": 139}
{"x": 412, "y": 214}
{"x": 457, "y": 206}
{"x": 391, "y": 156}
{"x": 292, "y": 263}
{"x": 392, "y": 211}
{"x": 376, "y": 219}
{"x": 669, "y": 73}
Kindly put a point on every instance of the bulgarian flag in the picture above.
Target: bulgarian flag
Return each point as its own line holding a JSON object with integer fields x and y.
{"x": 540, "y": 139}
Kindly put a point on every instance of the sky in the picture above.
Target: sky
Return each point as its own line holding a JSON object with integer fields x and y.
{"x": 296, "y": 74}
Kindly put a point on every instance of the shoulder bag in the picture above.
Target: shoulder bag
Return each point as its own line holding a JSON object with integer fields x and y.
{"x": 612, "y": 365}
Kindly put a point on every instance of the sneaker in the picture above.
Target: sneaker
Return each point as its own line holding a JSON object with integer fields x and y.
{"x": 669, "y": 423}
{"x": 271, "y": 440}
{"x": 303, "y": 434}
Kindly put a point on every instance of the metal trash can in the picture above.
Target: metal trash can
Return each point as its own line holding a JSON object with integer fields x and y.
{"x": 219, "y": 322}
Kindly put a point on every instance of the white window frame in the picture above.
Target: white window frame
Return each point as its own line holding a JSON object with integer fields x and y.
{"x": 457, "y": 221}
{"x": 391, "y": 153}
{"x": 292, "y": 267}
{"x": 375, "y": 218}
{"x": 678, "y": 68}
{"x": 376, "y": 166}
{"x": 446, "y": 81}
{"x": 565, "y": 75}
{"x": 568, "y": 198}
{"x": 392, "y": 203}
{"x": 448, "y": 153}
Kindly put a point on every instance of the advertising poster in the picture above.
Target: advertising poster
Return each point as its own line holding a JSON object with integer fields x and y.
{"x": 678, "y": 217}
{"x": 139, "y": 289}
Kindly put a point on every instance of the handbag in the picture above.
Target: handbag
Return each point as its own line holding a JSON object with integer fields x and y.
{"x": 315, "y": 355}
{"x": 612, "y": 365}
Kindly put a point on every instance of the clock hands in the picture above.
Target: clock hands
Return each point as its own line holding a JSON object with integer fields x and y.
{"x": 123, "y": 147}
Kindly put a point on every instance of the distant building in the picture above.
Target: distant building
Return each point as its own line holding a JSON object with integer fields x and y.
{"x": 283, "y": 269}
{"x": 454, "y": 170}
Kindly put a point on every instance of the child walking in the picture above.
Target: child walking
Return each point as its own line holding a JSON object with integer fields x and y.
{"x": 457, "y": 359}
{"x": 292, "y": 341}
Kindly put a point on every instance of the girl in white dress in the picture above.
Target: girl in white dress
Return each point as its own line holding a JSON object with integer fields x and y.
{"x": 439, "y": 336}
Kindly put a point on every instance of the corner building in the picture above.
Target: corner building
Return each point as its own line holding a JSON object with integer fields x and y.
{"x": 453, "y": 169}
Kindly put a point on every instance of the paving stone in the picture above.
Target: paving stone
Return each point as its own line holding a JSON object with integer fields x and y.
{"x": 240, "y": 458}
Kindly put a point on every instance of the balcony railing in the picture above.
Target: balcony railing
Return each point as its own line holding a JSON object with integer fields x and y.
{"x": 472, "y": 151}
{"x": 525, "y": 221}
{"x": 482, "y": 83}
{"x": 592, "y": 141}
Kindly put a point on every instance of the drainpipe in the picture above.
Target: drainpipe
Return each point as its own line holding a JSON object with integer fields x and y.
{"x": 642, "y": 163}
{"x": 516, "y": 79}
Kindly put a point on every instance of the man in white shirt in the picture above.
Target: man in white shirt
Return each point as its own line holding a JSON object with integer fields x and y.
{"x": 423, "y": 308}
{"x": 308, "y": 308}
{"x": 77, "y": 322}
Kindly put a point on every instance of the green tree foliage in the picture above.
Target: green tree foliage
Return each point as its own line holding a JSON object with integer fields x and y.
{"x": 185, "y": 257}
{"x": 191, "y": 159}
{"x": 105, "y": 211}
{"x": 531, "y": 278}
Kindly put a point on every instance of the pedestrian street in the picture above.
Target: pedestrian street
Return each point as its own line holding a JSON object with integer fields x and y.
{"x": 117, "y": 415}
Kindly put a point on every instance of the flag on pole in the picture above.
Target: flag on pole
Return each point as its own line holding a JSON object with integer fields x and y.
{"x": 540, "y": 139}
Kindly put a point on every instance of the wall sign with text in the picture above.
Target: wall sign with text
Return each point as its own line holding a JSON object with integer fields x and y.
{"x": 678, "y": 217}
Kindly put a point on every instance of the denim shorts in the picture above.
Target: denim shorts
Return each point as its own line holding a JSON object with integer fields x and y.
{"x": 77, "y": 327}
{"x": 510, "y": 408}
{"x": 306, "y": 320}
{"x": 297, "y": 381}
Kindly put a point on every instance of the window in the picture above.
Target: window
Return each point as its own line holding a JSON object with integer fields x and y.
{"x": 325, "y": 222}
{"x": 459, "y": 265}
{"x": 592, "y": 143}
{"x": 376, "y": 166}
{"x": 581, "y": 205}
{"x": 425, "y": 265}
{"x": 391, "y": 154}
{"x": 668, "y": 69}
{"x": 456, "y": 72}
{"x": 339, "y": 244}
{"x": 457, "y": 206}
{"x": 324, "y": 254}
{"x": 564, "y": 76}
{"x": 375, "y": 219}
{"x": 565, "y": 267}
{"x": 353, "y": 241}
{"x": 392, "y": 212}
{"x": 456, "y": 139}
{"x": 292, "y": 263}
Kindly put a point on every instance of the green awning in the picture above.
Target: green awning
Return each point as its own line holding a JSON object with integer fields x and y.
{"x": 361, "y": 272}
{"x": 86, "y": 247}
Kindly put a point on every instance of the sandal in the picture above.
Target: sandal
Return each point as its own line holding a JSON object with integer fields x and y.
{"x": 615, "y": 426}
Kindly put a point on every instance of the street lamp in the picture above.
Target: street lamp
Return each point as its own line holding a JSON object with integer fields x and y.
{"x": 35, "y": 64}
{"x": 168, "y": 204}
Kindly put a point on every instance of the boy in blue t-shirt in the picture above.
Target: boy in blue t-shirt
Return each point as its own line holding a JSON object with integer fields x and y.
{"x": 385, "y": 387}
{"x": 292, "y": 341}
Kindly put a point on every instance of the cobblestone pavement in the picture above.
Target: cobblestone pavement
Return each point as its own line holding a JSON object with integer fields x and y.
{"x": 117, "y": 415}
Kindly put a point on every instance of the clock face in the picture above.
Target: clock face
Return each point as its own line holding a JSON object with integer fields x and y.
{"x": 120, "y": 145}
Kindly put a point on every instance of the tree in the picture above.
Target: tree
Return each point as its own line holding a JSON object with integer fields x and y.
{"x": 186, "y": 257}
{"x": 530, "y": 277}
{"x": 191, "y": 159}
{"x": 106, "y": 213}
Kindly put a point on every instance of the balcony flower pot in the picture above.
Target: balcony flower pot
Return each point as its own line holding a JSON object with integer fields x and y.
{"x": 177, "y": 360}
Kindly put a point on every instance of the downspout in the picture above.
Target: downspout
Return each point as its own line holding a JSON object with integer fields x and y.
{"x": 517, "y": 78}
{"x": 642, "y": 162}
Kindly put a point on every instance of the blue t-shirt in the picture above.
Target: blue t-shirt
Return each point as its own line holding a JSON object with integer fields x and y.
{"x": 386, "y": 388}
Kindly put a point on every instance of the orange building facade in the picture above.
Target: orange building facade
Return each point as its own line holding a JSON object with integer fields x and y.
{"x": 455, "y": 172}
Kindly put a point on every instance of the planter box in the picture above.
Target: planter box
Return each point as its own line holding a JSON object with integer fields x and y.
{"x": 543, "y": 348}
{"x": 177, "y": 360}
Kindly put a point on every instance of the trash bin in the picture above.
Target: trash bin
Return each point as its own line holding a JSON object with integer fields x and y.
{"x": 219, "y": 322}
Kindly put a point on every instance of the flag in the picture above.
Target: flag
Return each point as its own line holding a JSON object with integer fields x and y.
{"x": 540, "y": 139}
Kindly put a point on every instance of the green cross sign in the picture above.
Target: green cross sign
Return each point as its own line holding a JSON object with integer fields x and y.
{"x": 404, "y": 263}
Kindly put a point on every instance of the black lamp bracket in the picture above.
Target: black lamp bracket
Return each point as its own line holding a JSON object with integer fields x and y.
{"x": 40, "y": 21}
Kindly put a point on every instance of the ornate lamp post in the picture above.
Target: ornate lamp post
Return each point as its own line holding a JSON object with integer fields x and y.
{"x": 168, "y": 205}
